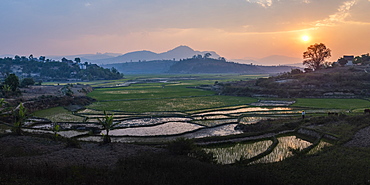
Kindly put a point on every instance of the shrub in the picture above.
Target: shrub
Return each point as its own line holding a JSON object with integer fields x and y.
{"x": 183, "y": 146}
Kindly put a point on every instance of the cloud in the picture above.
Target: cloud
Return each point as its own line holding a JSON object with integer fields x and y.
{"x": 349, "y": 12}
{"x": 338, "y": 17}
{"x": 263, "y": 3}
{"x": 71, "y": 22}
{"x": 269, "y": 3}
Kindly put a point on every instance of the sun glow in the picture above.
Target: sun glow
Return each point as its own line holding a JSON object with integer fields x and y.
{"x": 305, "y": 38}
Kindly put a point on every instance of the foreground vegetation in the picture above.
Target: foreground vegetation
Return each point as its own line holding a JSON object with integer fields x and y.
{"x": 337, "y": 164}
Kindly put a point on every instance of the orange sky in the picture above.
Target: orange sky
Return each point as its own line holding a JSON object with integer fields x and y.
{"x": 234, "y": 29}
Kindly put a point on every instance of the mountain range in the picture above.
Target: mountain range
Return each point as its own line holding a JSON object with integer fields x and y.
{"x": 180, "y": 52}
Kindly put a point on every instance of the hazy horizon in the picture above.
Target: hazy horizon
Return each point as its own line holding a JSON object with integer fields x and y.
{"x": 234, "y": 29}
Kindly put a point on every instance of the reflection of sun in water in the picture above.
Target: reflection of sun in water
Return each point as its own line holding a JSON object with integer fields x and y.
{"x": 305, "y": 38}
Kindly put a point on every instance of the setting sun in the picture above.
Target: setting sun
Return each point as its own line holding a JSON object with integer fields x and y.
{"x": 305, "y": 38}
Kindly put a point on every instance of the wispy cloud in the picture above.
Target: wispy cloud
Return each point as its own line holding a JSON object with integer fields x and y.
{"x": 340, "y": 16}
{"x": 269, "y": 3}
{"x": 263, "y": 3}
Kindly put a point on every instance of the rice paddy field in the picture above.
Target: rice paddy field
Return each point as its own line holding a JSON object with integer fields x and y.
{"x": 157, "y": 109}
{"x": 140, "y": 100}
{"x": 162, "y": 109}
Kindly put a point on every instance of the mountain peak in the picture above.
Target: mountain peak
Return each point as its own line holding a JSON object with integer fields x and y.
{"x": 183, "y": 48}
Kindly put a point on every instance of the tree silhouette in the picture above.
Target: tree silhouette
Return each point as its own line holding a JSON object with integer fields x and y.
{"x": 207, "y": 55}
{"x": 77, "y": 60}
{"x": 315, "y": 56}
{"x": 20, "y": 117}
{"x": 12, "y": 81}
{"x": 342, "y": 61}
{"x": 108, "y": 124}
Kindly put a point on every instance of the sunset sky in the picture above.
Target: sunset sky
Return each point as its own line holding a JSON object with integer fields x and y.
{"x": 233, "y": 28}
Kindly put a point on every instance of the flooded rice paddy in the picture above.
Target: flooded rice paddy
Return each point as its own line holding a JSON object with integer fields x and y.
{"x": 194, "y": 124}
{"x": 167, "y": 126}
{"x": 285, "y": 148}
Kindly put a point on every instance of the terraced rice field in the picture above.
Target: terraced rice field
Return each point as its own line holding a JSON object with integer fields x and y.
{"x": 166, "y": 110}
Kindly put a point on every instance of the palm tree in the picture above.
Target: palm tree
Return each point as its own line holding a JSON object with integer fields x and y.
{"x": 20, "y": 117}
{"x": 108, "y": 124}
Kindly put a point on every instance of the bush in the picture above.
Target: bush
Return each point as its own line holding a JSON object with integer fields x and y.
{"x": 181, "y": 146}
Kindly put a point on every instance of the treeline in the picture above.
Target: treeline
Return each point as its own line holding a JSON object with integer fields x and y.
{"x": 42, "y": 69}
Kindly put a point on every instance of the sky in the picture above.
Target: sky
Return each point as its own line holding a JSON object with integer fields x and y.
{"x": 235, "y": 29}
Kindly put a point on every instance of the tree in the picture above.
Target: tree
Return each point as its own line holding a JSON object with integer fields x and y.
{"x": 342, "y": 62}
{"x": 42, "y": 58}
{"x": 296, "y": 71}
{"x": 77, "y": 60}
{"x": 30, "y": 57}
{"x": 27, "y": 82}
{"x": 108, "y": 124}
{"x": 315, "y": 56}
{"x": 12, "y": 81}
{"x": 20, "y": 117}
{"x": 207, "y": 55}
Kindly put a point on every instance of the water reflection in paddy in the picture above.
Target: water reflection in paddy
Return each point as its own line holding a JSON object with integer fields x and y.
{"x": 319, "y": 147}
{"x": 223, "y": 130}
{"x": 151, "y": 121}
{"x": 211, "y": 123}
{"x": 241, "y": 110}
{"x": 228, "y": 155}
{"x": 201, "y": 133}
{"x": 211, "y": 117}
{"x": 283, "y": 149}
{"x": 252, "y": 120}
{"x": 170, "y": 128}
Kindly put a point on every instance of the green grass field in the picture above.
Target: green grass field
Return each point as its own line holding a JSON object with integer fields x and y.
{"x": 346, "y": 104}
{"x": 150, "y": 92}
{"x": 175, "y": 95}
{"x": 172, "y": 104}
{"x": 58, "y": 114}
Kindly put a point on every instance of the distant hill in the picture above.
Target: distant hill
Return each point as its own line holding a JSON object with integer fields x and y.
{"x": 210, "y": 65}
{"x": 272, "y": 60}
{"x": 180, "y": 52}
{"x": 147, "y": 67}
{"x": 194, "y": 66}
{"x": 279, "y": 60}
